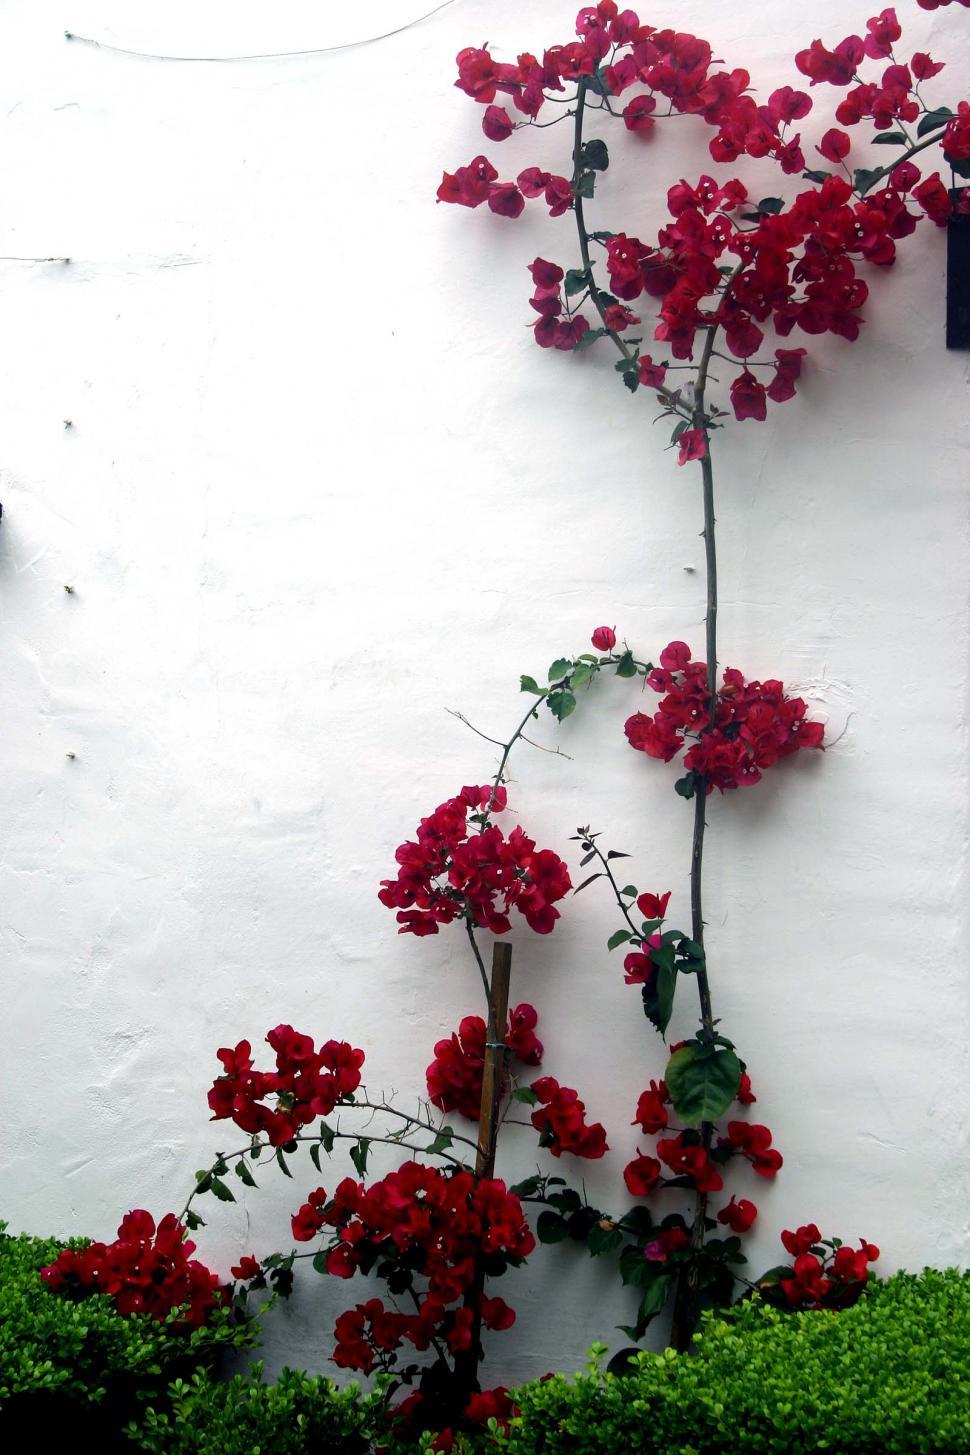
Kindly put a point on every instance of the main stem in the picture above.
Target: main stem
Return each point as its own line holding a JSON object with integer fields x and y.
{"x": 687, "y": 1295}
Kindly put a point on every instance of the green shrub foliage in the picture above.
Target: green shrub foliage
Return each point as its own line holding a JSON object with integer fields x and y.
{"x": 65, "y": 1362}
{"x": 890, "y": 1376}
{"x": 297, "y": 1415}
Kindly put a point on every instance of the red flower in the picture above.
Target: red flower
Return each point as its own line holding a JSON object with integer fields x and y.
{"x": 834, "y": 145}
{"x": 653, "y": 906}
{"x": 748, "y": 397}
{"x": 497, "y": 124}
{"x": 692, "y": 446}
{"x": 738, "y": 1216}
{"x": 561, "y": 1118}
{"x": 652, "y": 1108}
{"x": 245, "y": 1269}
{"x": 687, "y": 1159}
{"x": 637, "y": 114}
{"x": 642, "y": 1175}
{"x": 147, "y": 1270}
{"x": 934, "y": 199}
{"x": 956, "y": 138}
{"x": 604, "y": 638}
{"x": 802, "y": 1240}
{"x": 651, "y": 374}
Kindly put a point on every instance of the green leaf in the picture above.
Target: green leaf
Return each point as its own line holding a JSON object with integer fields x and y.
{"x": 315, "y": 1156}
{"x": 526, "y": 1094}
{"x": 281, "y": 1160}
{"x": 327, "y": 1137}
{"x": 816, "y": 174}
{"x": 685, "y": 786}
{"x": 658, "y": 996}
{"x": 635, "y": 1271}
{"x": 550, "y": 1227}
{"x": 626, "y": 666}
{"x": 770, "y": 205}
{"x": 600, "y": 1240}
{"x": 193, "y": 1221}
{"x": 587, "y": 339}
{"x": 889, "y": 139}
{"x": 320, "y": 1263}
{"x": 529, "y": 684}
{"x": 864, "y": 177}
{"x": 602, "y": 236}
{"x": 244, "y": 1174}
{"x": 222, "y": 1192}
{"x": 655, "y": 1298}
{"x": 597, "y": 875}
{"x": 678, "y": 430}
{"x": 359, "y": 1151}
{"x": 629, "y": 889}
{"x": 441, "y": 1142}
{"x": 528, "y": 1188}
{"x": 934, "y": 119}
{"x": 619, "y": 937}
{"x": 559, "y": 669}
{"x": 561, "y": 703}
{"x": 576, "y": 280}
{"x": 581, "y": 674}
{"x": 203, "y": 1181}
{"x": 702, "y": 1086}
{"x": 585, "y": 184}
{"x": 632, "y": 380}
{"x": 596, "y": 155}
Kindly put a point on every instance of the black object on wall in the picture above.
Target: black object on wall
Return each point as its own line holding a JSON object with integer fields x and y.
{"x": 958, "y": 277}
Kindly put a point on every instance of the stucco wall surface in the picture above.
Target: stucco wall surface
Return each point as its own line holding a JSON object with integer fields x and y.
{"x": 318, "y": 487}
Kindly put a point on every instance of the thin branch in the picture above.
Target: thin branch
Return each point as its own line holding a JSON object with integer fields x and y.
{"x": 320, "y": 50}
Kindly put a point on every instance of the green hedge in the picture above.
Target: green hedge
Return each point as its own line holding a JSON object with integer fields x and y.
{"x": 81, "y": 1367}
{"x": 297, "y": 1415}
{"x": 890, "y": 1376}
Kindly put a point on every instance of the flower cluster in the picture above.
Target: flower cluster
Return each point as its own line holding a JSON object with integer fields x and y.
{"x": 147, "y": 1270}
{"x": 451, "y": 871}
{"x": 561, "y": 1119}
{"x": 825, "y": 1273}
{"x": 688, "y": 1160}
{"x": 455, "y": 1075}
{"x": 749, "y": 727}
{"x": 306, "y": 1084}
{"x": 417, "y": 1222}
{"x": 709, "y": 267}
{"x": 891, "y": 101}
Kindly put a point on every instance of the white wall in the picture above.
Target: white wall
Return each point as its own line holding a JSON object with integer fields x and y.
{"x": 318, "y": 487}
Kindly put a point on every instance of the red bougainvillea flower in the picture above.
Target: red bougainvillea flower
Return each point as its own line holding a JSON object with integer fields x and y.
{"x": 753, "y": 1142}
{"x": 825, "y": 1273}
{"x": 306, "y": 1084}
{"x": 688, "y": 1159}
{"x": 460, "y": 870}
{"x": 455, "y": 1075}
{"x": 604, "y": 638}
{"x": 247, "y": 1268}
{"x": 802, "y": 1240}
{"x": 421, "y": 1223}
{"x": 692, "y": 445}
{"x": 956, "y": 138}
{"x": 653, "y": 906}
{"x": 835, "y": 145}
{"x": 561, "y": 1118}
{"x": 652, "y": 1108}
{"x": 738, "y": 1216}
{"x": 670, "y": 1240}
{"x": 934, "y": 199}
{"x": 754, "y": 724}
{"x": 642, "y": 1175}
{"x": 147, "y": 1270}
